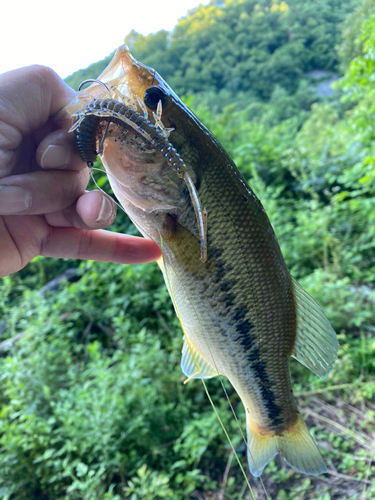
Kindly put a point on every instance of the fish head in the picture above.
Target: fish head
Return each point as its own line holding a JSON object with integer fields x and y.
{"x": 166, "y": 176}
{"x": 140, "y": 177}
{"x": 136, "y": 80}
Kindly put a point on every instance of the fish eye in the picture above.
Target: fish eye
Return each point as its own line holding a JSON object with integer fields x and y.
{"x": 152, "y": 96}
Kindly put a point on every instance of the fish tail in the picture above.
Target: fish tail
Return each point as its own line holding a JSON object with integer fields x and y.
{"x": 295, "y": 445}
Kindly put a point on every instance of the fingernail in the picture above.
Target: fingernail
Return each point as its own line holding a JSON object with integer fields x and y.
{"x": 55, "y": 157}
{"x": 14, "y": 200}
{"x": 106, "y": 211}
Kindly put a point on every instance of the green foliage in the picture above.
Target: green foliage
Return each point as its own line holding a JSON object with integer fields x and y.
{"x": 93, "y": 393}
{"x": 148, "y": 485}
{"x": 350, "y": 47}
{"x": 358, "y": 83}
{"x": 245, "y": 46}
{"x": 244, "y": 51}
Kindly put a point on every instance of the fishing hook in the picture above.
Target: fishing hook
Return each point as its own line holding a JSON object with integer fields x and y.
{"x": 100, "y": 150}
{"x": 93, "y": 80}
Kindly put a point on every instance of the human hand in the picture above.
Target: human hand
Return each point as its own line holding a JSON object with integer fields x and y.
{"x": 44, "y": 209}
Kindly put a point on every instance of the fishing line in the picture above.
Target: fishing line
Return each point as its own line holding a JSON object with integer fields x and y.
{"x": 100, "y": 189}
{"x": 235, "y": 417}
{"x": 100, "y": 149}
{"x": 219, "y": 419}
{"x": 91, "y": 169}
{"x": 204, "y": 383}
{"x": 194, "y": 358}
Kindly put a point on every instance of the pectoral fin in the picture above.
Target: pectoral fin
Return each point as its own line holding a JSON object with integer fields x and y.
{"x": 316, "y": 343}
{"x": 191, "y": 360}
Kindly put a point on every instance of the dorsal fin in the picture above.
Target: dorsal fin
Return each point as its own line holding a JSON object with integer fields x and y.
{"x": 316, "y": 343}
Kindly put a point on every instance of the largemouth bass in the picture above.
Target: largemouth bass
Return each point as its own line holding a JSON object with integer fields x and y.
{"x": 242, "y": 313}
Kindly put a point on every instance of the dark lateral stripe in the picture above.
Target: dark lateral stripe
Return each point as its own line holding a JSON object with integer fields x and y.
{"x": 268, "y": 396}
{"x": 244, "y": 328}
{"x": 246, "y": 335}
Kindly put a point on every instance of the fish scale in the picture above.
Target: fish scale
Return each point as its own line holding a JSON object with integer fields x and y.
{"x": 242, "y": 313}
{"x": 230, "y": 292}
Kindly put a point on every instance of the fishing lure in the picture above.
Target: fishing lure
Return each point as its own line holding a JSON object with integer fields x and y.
{"x": 135, "y": 130}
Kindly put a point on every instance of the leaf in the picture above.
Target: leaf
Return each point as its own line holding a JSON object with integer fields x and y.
{"x": 81, "y": 469}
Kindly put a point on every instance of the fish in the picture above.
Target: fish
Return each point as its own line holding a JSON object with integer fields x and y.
{"x": 242, "y": 313}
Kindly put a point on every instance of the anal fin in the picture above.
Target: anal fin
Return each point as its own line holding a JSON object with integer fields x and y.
{"x": 316, "y": 343}
{"x": 192, "y": 359}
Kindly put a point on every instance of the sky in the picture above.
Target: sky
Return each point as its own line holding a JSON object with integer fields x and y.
{"x": 72, "y": 34}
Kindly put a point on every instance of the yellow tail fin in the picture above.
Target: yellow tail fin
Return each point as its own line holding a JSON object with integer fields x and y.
{"x": 295, "y": 445}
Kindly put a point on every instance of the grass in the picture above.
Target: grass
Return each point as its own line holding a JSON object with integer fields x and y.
{"x": 342, "y": 422}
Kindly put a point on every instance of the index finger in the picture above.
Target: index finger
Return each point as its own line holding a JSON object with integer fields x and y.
{"x": 99, "y": 244}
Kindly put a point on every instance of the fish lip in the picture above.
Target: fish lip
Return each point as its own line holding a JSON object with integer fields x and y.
{"x": 126, "y": 78}
{"x": 129, "y": 76}
{"x": 132, "y": 77}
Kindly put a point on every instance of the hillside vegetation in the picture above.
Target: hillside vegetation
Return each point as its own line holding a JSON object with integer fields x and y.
{"x": 242, "y": 52}
{"x": 93, "y": 404}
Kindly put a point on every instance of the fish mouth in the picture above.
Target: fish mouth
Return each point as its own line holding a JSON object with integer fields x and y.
{"x": 125, "y": 77}
{"x": 136, "y": 164}
{"x": 150, "y": 183}
{"x": 129, "y": 76}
